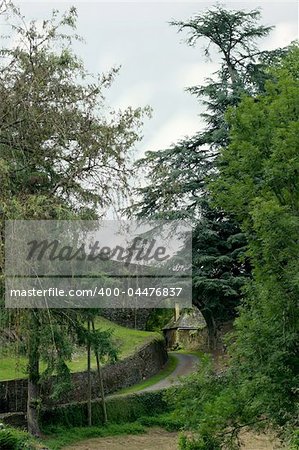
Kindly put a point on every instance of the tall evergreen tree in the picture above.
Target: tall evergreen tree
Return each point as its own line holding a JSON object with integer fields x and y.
{"x": 177, "y": 177}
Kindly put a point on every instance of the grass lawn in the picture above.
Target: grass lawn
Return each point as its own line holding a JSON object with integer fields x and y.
{"x": 127, "y": 340}
{"x": 56, "y": 438}
{"x": 199, "y": 353}
{"x": 60, "y": 437}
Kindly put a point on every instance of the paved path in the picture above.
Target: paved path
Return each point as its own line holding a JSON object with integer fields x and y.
{"x": 186, "y": 365}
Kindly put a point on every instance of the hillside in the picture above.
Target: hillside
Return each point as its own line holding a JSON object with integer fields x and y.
{"x": 126, "y": 339}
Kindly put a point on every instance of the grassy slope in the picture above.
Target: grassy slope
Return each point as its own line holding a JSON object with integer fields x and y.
{"x": 126, "y": 339}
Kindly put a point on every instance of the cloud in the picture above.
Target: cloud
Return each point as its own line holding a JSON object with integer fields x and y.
{"x": 282, "y": 35}
{"x": 193, "y": 74}
{"x": 178, "y": 127}
{"x": 138, "y": 95}
{"x": 107, "y": 61}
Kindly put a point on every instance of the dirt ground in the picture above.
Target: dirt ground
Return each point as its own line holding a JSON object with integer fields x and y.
{"x": 259, "y": 442}
{"x": 157, "y": 439}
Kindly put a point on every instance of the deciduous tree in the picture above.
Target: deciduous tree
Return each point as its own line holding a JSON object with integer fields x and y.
{"x": 63, "y": 155}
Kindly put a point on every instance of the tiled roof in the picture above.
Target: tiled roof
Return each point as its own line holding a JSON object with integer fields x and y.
{"x": 188, "y": 320}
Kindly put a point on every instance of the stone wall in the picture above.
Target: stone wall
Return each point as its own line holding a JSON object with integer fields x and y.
{"x": 187, "y": 339}
{"x": 145, "y": 363}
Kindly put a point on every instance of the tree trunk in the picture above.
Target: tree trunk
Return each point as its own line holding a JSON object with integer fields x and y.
{"x": 89, "y": 377}
{"x": 33, "y": 375}
{"x": 100, "y": 375}
{"x": 232, "y": 72}
{"x": 212, "y": 330}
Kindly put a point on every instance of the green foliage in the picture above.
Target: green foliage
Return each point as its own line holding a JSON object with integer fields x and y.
{"x": 158, "y": 318}
{"x": 214, "y": 407}
{"x": 120, "y": 409}
{"x": 125, "y": 340}
{"x": 168, "y": 421}
{"x": 262, "y": 165}
{"x": 220, "y": 268}
{"x": 64, "y": 154}
{"x": 242, "y": 195}
{"x": 14, "y": 439}
{"x": 62, "y": 157}
{"x": 203, "y": 402}
{"x": 294, "y": 441}
{"x": 59, "y": 437}
{"x": 61, "y": 113}
{"x": 234, "y": 35}
{"x": 203, "y": 443}
{"x": 178, "y": 176}
{"x": 257, "y": 182}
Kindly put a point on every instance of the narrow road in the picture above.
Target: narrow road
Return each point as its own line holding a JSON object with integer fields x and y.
{"x": 187, "y": 364}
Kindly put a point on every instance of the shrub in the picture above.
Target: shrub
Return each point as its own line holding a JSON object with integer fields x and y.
{"x": 204, "y": 443}
{"x": 59, "y": 437}
{"x": 13, "y": 439}
{"x": 294, "y": 442}
{"x": 120, "y": 409}
{"x": 167, "y": 421}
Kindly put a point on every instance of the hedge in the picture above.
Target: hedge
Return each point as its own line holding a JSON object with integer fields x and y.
{"x": 120, "y": 409}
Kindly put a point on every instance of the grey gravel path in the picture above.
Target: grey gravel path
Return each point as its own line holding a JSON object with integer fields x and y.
{"x": 187, "y": 364}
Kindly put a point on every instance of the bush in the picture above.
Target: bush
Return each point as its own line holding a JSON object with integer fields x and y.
{"x": 158, "y": 318}
{"x": 120, "y": 409}
{"x": 166, "y": 421}
{"x": 12, "y": 439}
{"x": 59, "y": 437}
{"x": 294, "y": 443}
{"x": 204, "y": 443}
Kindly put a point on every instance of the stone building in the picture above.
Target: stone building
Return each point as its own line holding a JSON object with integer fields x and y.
{"x": 188, "y": 330}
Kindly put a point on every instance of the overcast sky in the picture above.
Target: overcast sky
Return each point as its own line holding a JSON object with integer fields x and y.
{"x": 156, "y": 65}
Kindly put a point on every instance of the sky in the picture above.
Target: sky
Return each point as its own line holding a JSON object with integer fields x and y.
{"x": 156, "y": 65}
